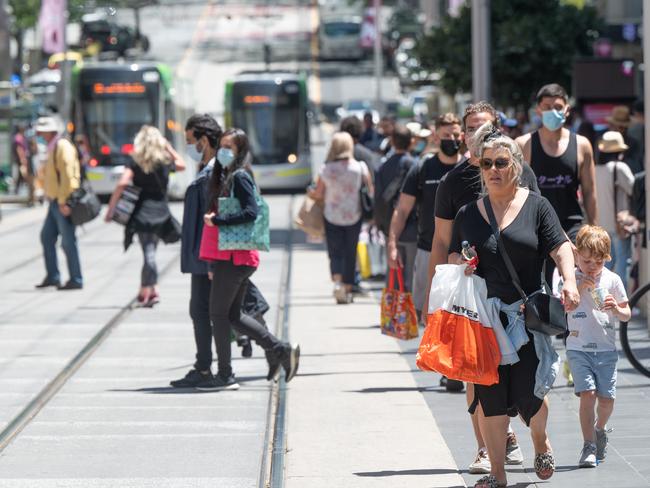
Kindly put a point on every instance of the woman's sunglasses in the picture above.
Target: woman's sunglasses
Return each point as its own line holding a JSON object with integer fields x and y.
{"x": 498, "y": 163}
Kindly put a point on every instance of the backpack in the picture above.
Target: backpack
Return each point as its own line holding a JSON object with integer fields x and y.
{"x": 386, "y": 197}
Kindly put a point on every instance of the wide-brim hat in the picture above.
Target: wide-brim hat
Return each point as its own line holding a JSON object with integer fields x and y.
{"x": 417, "y": 130}
{"x": 612, "y": 142}
{"x": 620, "y": 116}
{"x": 47, "y": 124}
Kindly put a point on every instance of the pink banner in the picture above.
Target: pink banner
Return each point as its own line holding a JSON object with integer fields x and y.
{"x": 52, "y": 24}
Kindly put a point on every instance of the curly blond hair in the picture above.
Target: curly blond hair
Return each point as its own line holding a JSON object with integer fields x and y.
{"x": 150, "y": 149}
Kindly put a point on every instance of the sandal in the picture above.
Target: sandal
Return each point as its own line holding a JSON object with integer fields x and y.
{"x": 489, "y": 482}
{"x": 544, "y": 465}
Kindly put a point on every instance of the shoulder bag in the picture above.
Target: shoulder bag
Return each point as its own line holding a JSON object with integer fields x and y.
{"x": 84, "y": 204}
{"x": 364, "y": 196}
{"x": 249, "y": 236}
{"x": 543, "y": 313}
{"x": 125, "y": 206}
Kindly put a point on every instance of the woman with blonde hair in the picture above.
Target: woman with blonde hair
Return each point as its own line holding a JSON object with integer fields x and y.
{"x": 509, "y": 220}
{"x": 153, "y": 160}
{"x": 339, "y": 184}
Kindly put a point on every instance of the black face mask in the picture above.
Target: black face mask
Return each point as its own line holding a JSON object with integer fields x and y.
{"x": 449, "y": 147}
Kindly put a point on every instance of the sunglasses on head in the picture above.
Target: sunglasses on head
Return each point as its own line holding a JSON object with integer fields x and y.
{"x": 498, "y": 163}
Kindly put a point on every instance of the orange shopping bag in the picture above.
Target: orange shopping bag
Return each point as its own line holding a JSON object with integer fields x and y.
{"x": 458, "y": 341}
{"x": 398, "y": 317}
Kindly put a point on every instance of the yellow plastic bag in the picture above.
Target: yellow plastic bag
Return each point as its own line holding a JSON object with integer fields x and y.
{"x": 363, "y": 258}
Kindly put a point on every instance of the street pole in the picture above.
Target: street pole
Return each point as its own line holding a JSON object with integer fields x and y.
{"x": 644, "y": 265}
{"x": 5, "y": 56}
{"x": 481, "y": 69}
{"x": 65, "y": 73}
{"x": 378, "y": 58}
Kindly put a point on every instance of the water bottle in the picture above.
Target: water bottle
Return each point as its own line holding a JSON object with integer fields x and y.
{"x": 469, "y": 254}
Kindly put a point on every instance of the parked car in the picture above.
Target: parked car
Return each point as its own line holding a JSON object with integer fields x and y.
{"x": 358, "y": 108}
{"x": 110, "y": 36}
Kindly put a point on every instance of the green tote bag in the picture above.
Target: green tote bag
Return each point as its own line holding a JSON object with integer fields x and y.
{"x": 244, "y": 237}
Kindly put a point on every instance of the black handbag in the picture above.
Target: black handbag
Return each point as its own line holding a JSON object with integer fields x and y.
{"x": 84, "y": 204}
{"x": 542, "y": 312}
{"x": 365, "y": 199}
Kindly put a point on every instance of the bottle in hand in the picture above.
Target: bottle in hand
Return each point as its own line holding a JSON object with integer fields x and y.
{"x": 469, "y": 254}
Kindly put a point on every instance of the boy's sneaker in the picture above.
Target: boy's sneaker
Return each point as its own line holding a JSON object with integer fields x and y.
{"x": 218, "y": 383}
{"x": 588, "y": 456}
{"x": 291, "y": 362}
{"x": 601, "y": 444}
{"x": 481, "y": 464}
{"x": 513, "y": 451}
{"x": 191, "y": 379}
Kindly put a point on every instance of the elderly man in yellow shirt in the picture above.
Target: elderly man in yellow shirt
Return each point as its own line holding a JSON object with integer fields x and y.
{"x": 62, "y": 177}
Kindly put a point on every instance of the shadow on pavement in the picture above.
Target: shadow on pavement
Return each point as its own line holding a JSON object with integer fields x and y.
{"x": 406, "y": 472}
{"x": 332, "y": 373}
{"x": 397, "y": 389}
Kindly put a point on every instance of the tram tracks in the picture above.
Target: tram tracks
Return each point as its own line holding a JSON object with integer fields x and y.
{"x": 271, "y": 472}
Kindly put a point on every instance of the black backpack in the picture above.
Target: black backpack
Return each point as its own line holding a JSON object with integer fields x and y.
{"x": 386, "y": 197}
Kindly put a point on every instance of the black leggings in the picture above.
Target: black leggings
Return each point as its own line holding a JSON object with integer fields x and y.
{"x": 342, "y": 243}
{"x": 229, "y": 283}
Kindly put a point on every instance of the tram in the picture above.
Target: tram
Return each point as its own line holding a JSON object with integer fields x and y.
{"x": 272, "y": 107}
{"x": 111, "y": 102}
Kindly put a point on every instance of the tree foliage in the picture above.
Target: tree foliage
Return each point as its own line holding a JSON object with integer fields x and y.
{"x": 533, "y": 42}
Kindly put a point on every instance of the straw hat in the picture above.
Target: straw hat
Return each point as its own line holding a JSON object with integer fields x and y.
{"x": 620, "y": 116}
{"x": 612, "y": 142}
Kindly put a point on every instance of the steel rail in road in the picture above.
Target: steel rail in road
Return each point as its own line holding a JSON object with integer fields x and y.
{"x": 25, "y": 416}
{"x": 272, "y": 466}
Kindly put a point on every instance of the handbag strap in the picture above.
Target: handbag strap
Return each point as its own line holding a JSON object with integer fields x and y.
{"x": 400, "y": 279}
{"x": 615, "y": 174}
{"x": 502, "y": 249}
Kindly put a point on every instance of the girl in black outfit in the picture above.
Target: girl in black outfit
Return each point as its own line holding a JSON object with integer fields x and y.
{"x": 231, "y": 269}
{"x": 153, "y": 160}
{"x": 531, "y": 232}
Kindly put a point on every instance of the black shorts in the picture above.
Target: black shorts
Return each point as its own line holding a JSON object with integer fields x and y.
{"x": 514, "y": 393}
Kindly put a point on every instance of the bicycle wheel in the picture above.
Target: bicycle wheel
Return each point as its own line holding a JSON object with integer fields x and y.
{"x": 635, "y": 335}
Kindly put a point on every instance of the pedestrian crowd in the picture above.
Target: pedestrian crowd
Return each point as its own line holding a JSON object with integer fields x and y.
{"x": 548, "y": 209}
{"x": 551, "y": 211}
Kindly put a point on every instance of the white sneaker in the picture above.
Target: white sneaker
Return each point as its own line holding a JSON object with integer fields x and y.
{"x": 481, "y": 464}
{"x": 513, "y": 451}
{"x": 588, "y": 456}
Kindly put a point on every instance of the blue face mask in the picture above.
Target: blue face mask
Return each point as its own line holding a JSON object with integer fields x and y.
{"x": 225, "y": 156}
{"x": 552, "y": 119}
{"x": 419, "y": 147}
{"x": 193, "y": 153}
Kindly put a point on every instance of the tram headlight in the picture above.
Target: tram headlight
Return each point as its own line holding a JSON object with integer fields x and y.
{"x": 292, "y": 158}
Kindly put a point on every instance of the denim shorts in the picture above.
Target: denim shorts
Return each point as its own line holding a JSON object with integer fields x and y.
{"x": 594, "y": 371}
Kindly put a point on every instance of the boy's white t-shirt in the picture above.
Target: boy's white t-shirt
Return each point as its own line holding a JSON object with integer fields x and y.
{"x": 590, "y": 329}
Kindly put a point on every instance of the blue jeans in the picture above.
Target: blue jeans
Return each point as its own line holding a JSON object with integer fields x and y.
{"x": 56, "y": 225}
{"x": 621, "y": 255}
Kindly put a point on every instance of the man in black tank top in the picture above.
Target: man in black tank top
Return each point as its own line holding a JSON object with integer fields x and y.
{"x": 562, "y": 161}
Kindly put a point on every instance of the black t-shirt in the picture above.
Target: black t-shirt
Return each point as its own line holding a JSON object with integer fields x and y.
{"x": 154, "y": 184}
{"x": 462, "y": 185}
{"x": 395, "y": 166}
{"x": 534, "y": 232}
{"x": 422, "y": 183}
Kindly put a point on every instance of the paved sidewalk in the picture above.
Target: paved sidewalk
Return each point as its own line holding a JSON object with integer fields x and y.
{"x": 362, "y": 414}
{"x": 355, "y": 415}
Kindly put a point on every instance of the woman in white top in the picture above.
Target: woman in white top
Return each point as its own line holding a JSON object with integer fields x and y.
{"x": 339, "y": 184}
{"x": 614, "y": 185}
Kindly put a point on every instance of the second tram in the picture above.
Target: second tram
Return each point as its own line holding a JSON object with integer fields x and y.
{"x": 272, "y": 107}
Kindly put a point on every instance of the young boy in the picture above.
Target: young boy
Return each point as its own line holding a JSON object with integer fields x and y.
{"x": 591, "y": 346}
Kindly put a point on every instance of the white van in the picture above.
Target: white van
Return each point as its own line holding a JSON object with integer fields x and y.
{"x": 340, "y": 38}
